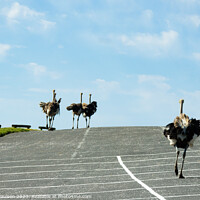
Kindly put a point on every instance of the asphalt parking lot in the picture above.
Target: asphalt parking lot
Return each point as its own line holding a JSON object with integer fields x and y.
{"x": 117, "y": 163}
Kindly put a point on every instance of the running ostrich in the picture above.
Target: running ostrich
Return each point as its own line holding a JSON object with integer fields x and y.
{"x": 182, "y": 134}
{"x": 51, "y": 109}
{"x": 89, "y": 110}
{"x": 77, "y": 109}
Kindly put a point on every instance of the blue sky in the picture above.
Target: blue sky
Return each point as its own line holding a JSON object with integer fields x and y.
{"x": 137, "y": 58}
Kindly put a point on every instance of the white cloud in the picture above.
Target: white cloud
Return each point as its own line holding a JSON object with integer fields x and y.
{"x": 196, "y": 56}
{"x": 29, "y": 18}
{"x": 188, "y": 1}
{"x": 193, "y": 19}
{"x": 36, "y": 69}
{"x": 186, "y": 20}
{"x": 157, "y": 81}
{"x": 41, "y": 26}
{"x": 4, "y": 48}
{"x": 39, "y": 71}
{"x": 147, "y": 15}
{"x": 47, "y": 24}
{"x": 106, "y": 88}
{"x": 107, "y": 85}
{"x": 149, "y": 93}
{"x": 19, "y": 12}
{"x": 60, "y": 46}
{"x": 145, "y": 44}
{"x": 151, "y": 43}
{"x": 150, "y": 78}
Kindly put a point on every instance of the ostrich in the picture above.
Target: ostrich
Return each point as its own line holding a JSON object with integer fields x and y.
{"x": 51, "y": 109}
{"x": 182, "y": 134}
{"x": 89, "y": 110}
{"x": 76, "y": 110}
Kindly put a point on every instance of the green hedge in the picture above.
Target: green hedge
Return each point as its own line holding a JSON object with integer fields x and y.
{"x": 5, "y": 131}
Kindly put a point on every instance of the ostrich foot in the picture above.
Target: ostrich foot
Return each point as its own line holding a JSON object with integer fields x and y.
{"x": 181, "y": 176}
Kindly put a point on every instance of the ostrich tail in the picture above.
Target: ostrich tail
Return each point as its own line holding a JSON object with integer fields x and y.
{"x": 69, "y": 107}
{"x": 42, "y": 104}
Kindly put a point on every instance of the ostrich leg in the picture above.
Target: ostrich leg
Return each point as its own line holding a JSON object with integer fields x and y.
{"x": 86, "y": 121}
{"x": 184, "y": 154}
{"x": 50, "y": 119}
{"x": 73, "y": 122}
{"x": 176, "y": 163}
{"x": 78, "y": 120}
{"x": 46, "y": 121}
{"x": 89, "y": 123}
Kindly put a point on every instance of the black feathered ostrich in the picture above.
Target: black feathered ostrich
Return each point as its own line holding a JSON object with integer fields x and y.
{"x": 182, "y": 134}
{"x": 51, "y": 109}
{"x": 77, "y": 109}
{"x": 89, "y": 110}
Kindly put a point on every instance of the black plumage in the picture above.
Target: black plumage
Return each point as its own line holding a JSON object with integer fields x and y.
{"x": 182, "y": 138}
{"x": 88, "y": 111}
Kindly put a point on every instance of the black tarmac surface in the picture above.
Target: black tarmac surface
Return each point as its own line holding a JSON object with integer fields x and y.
{"x": 83, "y": 164}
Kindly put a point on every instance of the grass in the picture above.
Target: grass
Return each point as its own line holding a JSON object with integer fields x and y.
{"x": 5, "y": 131}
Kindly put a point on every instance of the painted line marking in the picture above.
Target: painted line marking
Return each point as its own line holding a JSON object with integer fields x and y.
{"x": 81, "y": 143}
{"x": 57, "y": 171}
{"x": 89, "y": 177}
{"x": 181, "y": 196}
{"x": 100, "y": 157}
{"x": 94, "y": 163}
{"x": 122, "y": 190}
{"x": 71, "y": 178}
{"x": 139, "y": 181}
{"x": 56, "y": 165}
{"x": 75, "y": 185}
{"x": 82, "y": 193}
{"x": 110, "y": 169}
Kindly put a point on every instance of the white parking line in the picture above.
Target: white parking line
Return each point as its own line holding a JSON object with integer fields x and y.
{"x": 72, "y": 170}
{"x": 100, "y": 157}
{"x": 96, "y": 192}
{"x": 59, "y": 186}
{"x": 56, "y": 165}
{"x": 70, "y": 178}
{"x": 55, "y": 171}
{"x": 161, "y": 172}
{"x": 80, "y": 144}
{"x": 94, "y": 163}
{"x": 138, "y": 181}
{"x": 176, "y": 186}
{"x": 71, "y": 164}
{"x": 181, "y": 196}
